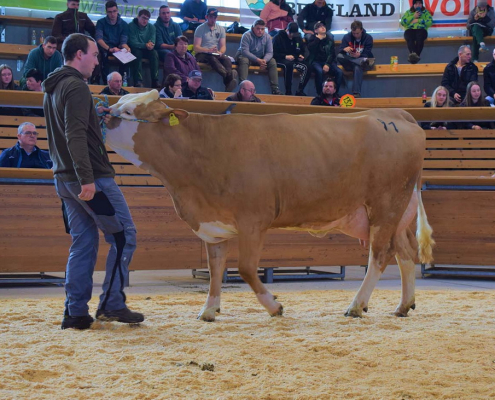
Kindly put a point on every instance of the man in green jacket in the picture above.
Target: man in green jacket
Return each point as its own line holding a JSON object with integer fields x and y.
{"x": 45, "y": 58}
{"x": 84, "y": 180}
{"x": 142, "y": 39}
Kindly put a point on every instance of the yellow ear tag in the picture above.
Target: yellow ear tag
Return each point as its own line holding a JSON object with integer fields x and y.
{"x": 173, "y": 120}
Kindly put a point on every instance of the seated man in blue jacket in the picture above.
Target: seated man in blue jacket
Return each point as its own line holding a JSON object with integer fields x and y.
{"x": 25, "y": 154}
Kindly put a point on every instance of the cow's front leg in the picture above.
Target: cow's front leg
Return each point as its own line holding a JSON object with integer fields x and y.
{"x": 217, "y": 255}
{"x": 250, "y": 246}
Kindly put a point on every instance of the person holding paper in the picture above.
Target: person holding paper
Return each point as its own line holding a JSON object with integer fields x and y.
{"x": 111, "y": 35}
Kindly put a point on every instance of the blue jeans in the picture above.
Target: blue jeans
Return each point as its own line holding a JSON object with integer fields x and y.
{"x": 109, "y": 212}
{"x": 334, "y": 71}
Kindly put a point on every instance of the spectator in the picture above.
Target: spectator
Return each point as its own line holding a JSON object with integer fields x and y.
{"x": 25, "y": 154}
{"x": 112, "y": 34}
{"x": 489, "y": 80}
{"x": 312, "y": 13}
{"x": 328, "y": 95}
{"x": 288, "y": 51}
{"x": 322, "y": 58}
{"x": 416, "y": 21}
{"x": 193, "y": 88}
{"x": 34, "y": 78}
{"x": 245, "y": 93}
{"x": 142, "y": 37}
{"x": 277, "y": 14}
{"x": 458, "y": 73}
{"x": 172, "y": 87}
{"x": 210, "y": 45}
{"x": 355, "y": 54}
{"x": 480, "y": 23}
{"x": 45, "y": 58}
{"x": 439, "y": 98}
{"x": 192, "y": 13}
{"x": 166, "y": 32}
{"x": 7, "y": 83}
{"x": 71, "y": 21}
{"x": 474, "y": 98}
{"x": 180, "y": 61}
{"x": 114, "y": 87}
{"x": 257, "y": 49}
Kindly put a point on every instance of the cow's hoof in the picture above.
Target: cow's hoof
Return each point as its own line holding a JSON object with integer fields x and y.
{"x": 401, "y": 311}
{"x": 279, "y": 312}
{"x": 208, "y": 314}
{"x": 365, "y": 309}
{"x": 354, "y": 313}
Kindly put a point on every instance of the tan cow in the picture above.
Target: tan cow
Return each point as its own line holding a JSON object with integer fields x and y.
{"x": 240, "y": 175}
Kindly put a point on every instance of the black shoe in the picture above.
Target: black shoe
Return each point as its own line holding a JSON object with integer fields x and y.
{"x": 155, "y": 85}
{"x": 413, "y": 58}
{"x": 77, "y": 322}
{"x": 123, "y": 315}
{"x": 300, "y": 93}
{"x": 276, "y": 91}
{"x": 288, "y": 93}
{"x": 139, "y": 84}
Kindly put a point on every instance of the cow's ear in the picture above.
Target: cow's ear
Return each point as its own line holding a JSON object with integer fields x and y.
{"x": 177, "y": 117}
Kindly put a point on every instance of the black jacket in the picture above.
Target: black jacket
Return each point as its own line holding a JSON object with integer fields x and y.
{"x": 201, "y": 94}
{"x": 437, "y": 124}
{"x": 16, "y": 157}
{"x": 321, "y": 50}
{"x": 311, "y": 14}
{"x": 322, "y": 101}
{"x": 489, "y": 79}
{"x": 283, "y": 46}
{"x": 455, "y": 83}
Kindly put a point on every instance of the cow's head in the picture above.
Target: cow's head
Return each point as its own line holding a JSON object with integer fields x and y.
{"x": 145, "y": 106}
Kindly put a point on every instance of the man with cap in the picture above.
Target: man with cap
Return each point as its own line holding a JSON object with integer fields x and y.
{"x": 480, "y": 23}
{"x": 193, "y": 89}
{"x": 210, "y": 45}
{"x": 288, "y": 51}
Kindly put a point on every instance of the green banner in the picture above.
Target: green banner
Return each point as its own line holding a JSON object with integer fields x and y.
{"x": 128, "y": 9}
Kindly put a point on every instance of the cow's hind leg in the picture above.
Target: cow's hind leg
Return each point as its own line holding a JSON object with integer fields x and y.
{"x": 217, "y": 256}
{"x": 250, "y": 245}
{"x": 407, "y": 248}
{"x": 380, "y": 253}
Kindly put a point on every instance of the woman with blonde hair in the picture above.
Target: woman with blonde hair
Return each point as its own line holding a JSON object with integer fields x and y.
{"x": 439, "y": 98}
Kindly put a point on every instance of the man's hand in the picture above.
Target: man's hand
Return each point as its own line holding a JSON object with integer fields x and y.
{"x": 355, "y": 54}
{"x": 477, "y": 127}
{"x": 289, "y": 57}
{"x": 457, "y": 97}
{"x": 300, "y": 58}
{"x": 150, "y": 45}
{"x": 87, "y": 192}
{"x": 348, "y": 49}
{"x": 107, "y": 117}
{"x": 308, "y": 31}
{"x": 262, "y": 63}
{"x": 326, "y": 68}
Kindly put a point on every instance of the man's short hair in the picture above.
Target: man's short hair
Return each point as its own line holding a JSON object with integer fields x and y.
{"x": 318, "y": 25}
{"x": 110, "y": 4}
{"x": 328, "y": 80}
{"x": 259, "y": 22}
{"x": 73, "y": 43}
{"x": 462, "y": 48}
{"x": 34, "y": 73}
{"x": 50, "y": 39}
{"x": 356, "y": 25}
{"x": 21, "y": 126}
{"x": 144, "y": 12}
{"x": 180, "y": 38}
{"x": 164, "y": 6}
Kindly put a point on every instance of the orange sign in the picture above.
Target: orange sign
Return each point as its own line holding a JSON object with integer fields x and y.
{"x": 348, "y": 100}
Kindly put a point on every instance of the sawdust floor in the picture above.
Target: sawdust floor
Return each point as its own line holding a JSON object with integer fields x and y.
{"x": 444, "y": 350}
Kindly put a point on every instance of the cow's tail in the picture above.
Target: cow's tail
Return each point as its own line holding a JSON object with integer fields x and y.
{"x": 423, "y": 231}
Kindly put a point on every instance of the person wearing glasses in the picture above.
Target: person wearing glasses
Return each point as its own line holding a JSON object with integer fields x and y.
{"x": 172, "y": 88}
{"x": 245, "y": 93}
{"x": 193, "y": 89}
{"x": 210, "y": 46}
{"x": 25, "y": 154}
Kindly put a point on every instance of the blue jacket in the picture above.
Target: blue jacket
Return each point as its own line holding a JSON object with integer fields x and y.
{"x": 191, "y": 9}
{"x": 113, "y": 35}
{"x": 16, "y": 157}
{"x": 364, "y": 46}
{"x": 166, "y": 34}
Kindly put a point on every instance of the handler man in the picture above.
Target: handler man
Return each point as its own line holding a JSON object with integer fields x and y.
{"x": 84, "y": 181}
